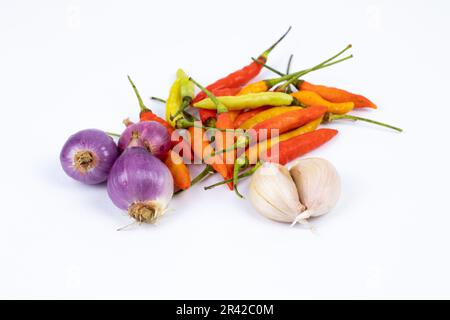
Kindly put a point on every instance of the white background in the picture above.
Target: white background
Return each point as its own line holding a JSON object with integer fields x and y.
{"x": 63, "y": 67}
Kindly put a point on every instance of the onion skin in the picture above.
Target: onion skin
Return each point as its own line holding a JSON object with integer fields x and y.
{"x": 88, "y": 156}
{"x": 150, "y": 135}
{"x": 141, "y": 184}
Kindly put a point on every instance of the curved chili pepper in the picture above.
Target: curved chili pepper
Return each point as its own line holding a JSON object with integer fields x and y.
{"x": 293, "y": 148}
{"x": 337, "y": 95}
{"x": 242, "y": 76}
{"x": 266, "y": 115}
{"x": 289, "y": 120}
{"x": 146, "y": 114}
{"x": 179, "y": 170}
{"x": 255, "y": 151}
{"x": 202, "y": 149}
{"x": 249, "y": 101}
{"x": 310, "y": 98}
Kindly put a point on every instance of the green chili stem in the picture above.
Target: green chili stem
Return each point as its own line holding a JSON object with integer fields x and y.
{"x": 288, "y": 71}
{"x": 184, "y": 104}
{"x": 220, "y": 107}
{"x": 184, "y": 123}
{"x": 238, "y": 165}
{"x": 236, "y": 145}
{"x": 207, "y": 170}
{"x": 112, "y": 134}
{"x": 288, "y": 68}
{"x": 265, "y": 54}
{"x": 298, "y": 74}
{"x": 295, "y": 80}
{"x": 241, "y": 176}
{"x": 158, "y": 99}
{"x": 333, "y": 117}
{"x": 141, "y": 103}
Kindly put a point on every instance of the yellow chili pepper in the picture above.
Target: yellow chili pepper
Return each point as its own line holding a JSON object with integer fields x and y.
{"x": 256, "y": 87}
{"x": 310, "y": 98}
{"x": 256, "y": 150}
{"x": 266, "y": 114}
{"x": 248, "y": 101}
{"x": 173, "y": 103}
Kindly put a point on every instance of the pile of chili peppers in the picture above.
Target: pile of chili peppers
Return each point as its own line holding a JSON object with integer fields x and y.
{"x": 249, "y": 121}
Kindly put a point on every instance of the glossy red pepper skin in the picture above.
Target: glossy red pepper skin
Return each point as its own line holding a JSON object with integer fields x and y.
{"x": 234, "y": 80}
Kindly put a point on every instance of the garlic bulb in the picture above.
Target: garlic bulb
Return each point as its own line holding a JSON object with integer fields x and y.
{"x": 318, "y": 185}
{"x": 273, "y": 193}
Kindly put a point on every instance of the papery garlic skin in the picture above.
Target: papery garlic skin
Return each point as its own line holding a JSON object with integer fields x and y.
{"x": 318, "y": 185}
{"x": 273, "y": 193}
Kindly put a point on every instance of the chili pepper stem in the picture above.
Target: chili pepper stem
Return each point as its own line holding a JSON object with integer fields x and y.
{"x": 112, "y": 134}
{"x": 184, "y": 105}
{"x": 241, "y": 176}
{"x": 207, "y": 170}
{"x": 332, "y": 117}
{"x": 238, "y": 164}
{"x": 240, "y": 143}
{"x": 220, "y": 106}
{"x": 263, "y": 56}
{"x": 158, "y": 99}
{"x": 141, "y": 103}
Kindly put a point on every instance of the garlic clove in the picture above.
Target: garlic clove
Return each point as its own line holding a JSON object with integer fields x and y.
{"x": 318, "y": 185}
{"x": 273, "y": 193}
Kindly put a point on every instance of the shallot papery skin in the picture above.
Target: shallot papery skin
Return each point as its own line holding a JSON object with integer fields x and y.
{"x": 88, "y": 156}
{"x": 140, "y": 183}
{"x": 148, "y": 134}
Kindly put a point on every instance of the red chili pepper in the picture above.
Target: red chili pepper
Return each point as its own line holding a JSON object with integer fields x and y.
{"x": 242, "y": 76}
{"x": 297, "y": 146}
{"x": 290, "y": 120}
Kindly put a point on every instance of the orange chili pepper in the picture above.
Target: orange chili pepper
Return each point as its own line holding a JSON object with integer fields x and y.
{"x": 179, "y": 170}
{"x": 337, "y": 95}
{"x": 310, "y": 98}
{"x": 202, "y": 150}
